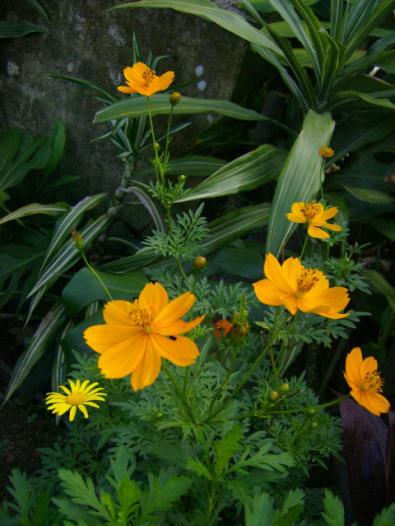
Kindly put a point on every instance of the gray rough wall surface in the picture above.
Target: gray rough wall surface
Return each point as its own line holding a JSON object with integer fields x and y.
{"x": 87, "y": 42}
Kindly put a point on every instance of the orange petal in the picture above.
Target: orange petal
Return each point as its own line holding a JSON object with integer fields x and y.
{"x": 154, "y": 295}
{"x": 368, "y": 365}
{"x": 267, "y": 293}
{"x": 296, "y": 215}
{"x": 331, "y": 300}
{"x": 148, "y": 369}
{"x": 102, "y": 337}
{"x": 292, "y": 268}
{"x": 122, "y": 359}
{"x": 275, "y": 274}
{"x": 178, "y": 327}
{"x": 174, "y": 310}
{"x": 181, "y": 351}
{"x": 135, "y": 74}
{"x": 117, "y": 311}
{"x": 353, "y": 366}
{"x": 317, "y": 233}
{"x": 126, "y": 89}
{"x": 329, "y": 213}
{"x": 335, "y": 228}
{"x": 290, "y": 303}
{"x": 162, "y": 83}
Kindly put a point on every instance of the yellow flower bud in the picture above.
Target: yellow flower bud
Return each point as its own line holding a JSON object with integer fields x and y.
{"x": 78, "y": 239}
{"x": 326, "y": 152}
{"x": 274, "y": 395}
{"x": 200, "y": 262}
{"x": 284, "y": 387}
{"x": 175, "y": 98}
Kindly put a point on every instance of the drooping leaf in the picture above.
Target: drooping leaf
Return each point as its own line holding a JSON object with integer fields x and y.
{"x": 244, "y": 173}
{"x": 300, "y": 178}
{"x": 19, "y": 28}
{"x": 381, "y": 286}
{"x": 33, "y": 209}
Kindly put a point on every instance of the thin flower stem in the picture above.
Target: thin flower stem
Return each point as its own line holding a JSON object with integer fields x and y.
{"x": 158, "y": 171}
{"x": 274, "y": 366}
{"x": 89, "y": 266}
{"x": 299, "y": 409}
{"x": 306, "y": 241}
{"x": 179, "y": 393}
{"x": 168, "y": 133}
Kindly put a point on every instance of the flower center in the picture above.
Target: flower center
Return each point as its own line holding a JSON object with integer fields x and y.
{"x": 141, "y": 316}
{"x": 310, "y": 210}
{"x": 75, "y": 398}
{"x": 307, "y": 279}
{"x": 149, "y": 75}
{"x": 373, "y": 382}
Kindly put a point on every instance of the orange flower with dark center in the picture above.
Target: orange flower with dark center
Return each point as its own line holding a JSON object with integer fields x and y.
{"x": 315, "y": 216}
{"x": 137, "y": 335}
{"x": 365, "y": 382}
{"x": 300, "y": 288}
{"x": 144, "y": 80}
{"x": 222, "y": 328}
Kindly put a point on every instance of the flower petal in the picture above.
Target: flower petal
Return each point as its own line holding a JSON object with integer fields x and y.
{"x": 181, "y": 351}
{"x": 148, "y": 370}
{"x": 317, "y": 233}
{"x": 178, "y": 327}
{"x": 154, "y": 295}
{"x": 83, "y": 410}
{"x": 73, "y": 411}
{"x": 353, "y": 367}
{"x": 332, "y": 226}
{"x": 174, "y": 310}
{"x": 325, "y": 302}
{"x": 126, "y": 89}
{"x": 329, "y": 213}
{"x": 267, "y": 292}
{"x": 274, "y": 272}
{"x": 368, "y": 365}
{"x": 161, "y": 83}
{"x": 136, "y": 72}
{"x": 101, "y": 338}
{"x": 118, "y": 312}
{"x": 122, "y": 359}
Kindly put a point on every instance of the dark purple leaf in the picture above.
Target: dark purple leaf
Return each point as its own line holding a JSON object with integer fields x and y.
{"x": 390, "y": 460}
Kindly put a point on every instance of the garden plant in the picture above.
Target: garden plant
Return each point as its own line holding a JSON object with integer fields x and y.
{"x": 228, "y": 363}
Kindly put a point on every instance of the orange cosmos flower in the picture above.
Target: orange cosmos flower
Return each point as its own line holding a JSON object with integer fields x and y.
{"x": 222, "y": 328}
{"x": 142, "y": 79}
{"x": 300, "y": 288}
{"x": 326, "y": 152}
{"x": 137, "y": 335}
{"x": 315, "y": 216}
{"x": 365, "y": 382}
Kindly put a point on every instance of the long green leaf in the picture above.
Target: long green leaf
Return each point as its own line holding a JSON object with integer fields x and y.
{"x": 225, "y": 18}
{"x": 56, "y": 142}
{"x": 70, "y": 221}
{"x": 35, "y": 208}
{"x": 244, "y": 173}
{"x": 383, "y": 103}
{"x": 300, "y": 178}
{"x": 19, "y": 28}
{"x": 69, "y": 254}
{"x": 368, "y": 195}
{"x": 381, "y": 286}
{"x": 137, "y": 107}
{"x": 38, "y": 345}
{"x": 190, "y": 165}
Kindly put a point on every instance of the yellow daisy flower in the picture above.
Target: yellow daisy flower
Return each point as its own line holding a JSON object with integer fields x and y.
{"x": 78, "y": 395}
{"x": 365, "y": 382}
{"x": 137, "y": 335}
{"x": 300, "y": 288}
{"x": 315, "y": 216}
{"x": 144, "y": 80}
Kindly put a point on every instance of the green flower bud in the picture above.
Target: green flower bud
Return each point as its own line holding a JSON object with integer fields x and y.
{"x": 175, "y": 98}
{"x": 284, "y": 388}
{"x": 200, "y": 262}
{"x": 274, "y": 395}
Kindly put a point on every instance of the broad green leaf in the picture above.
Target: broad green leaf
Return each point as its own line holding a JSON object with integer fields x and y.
{"x": 381, "y": 286}
{"x": 235, "y": 225}
{"x": 33, "y": 209}
{"x": 84, "y": 288}
{"x": 300, "y": 178}
{"x": 225, "y": 18}
{"x": 333, "y": 514}
{"x": 244, "y": 173}
{"x": 70, "y": 221}
{"x": 137, "y": 106}
{"x": 19, "y": 28}
{"x": 69, "y": 254}
{"x": 368, "y": 195}
{"x": 383, "y": 103}
{"x": 244, "y": 262}
{"x": 41, "y": 338}
{"x": 265, "y": 6}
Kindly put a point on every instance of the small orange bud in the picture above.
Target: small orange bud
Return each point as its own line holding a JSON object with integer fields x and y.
{"x": 222, "y": 328}
{"x": 200, "y": 262}
{"x": 327, "y": 152}
{"x": 175, "y": 98}
{"x": 78, "y": 239}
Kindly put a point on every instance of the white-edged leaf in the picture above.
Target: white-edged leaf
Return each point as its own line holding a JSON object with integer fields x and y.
{"x": 33, "y": 209}
{"x": 300, "y": 178}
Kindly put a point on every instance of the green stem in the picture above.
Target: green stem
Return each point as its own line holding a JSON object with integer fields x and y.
{"x": 275, "y": 370}
{"x": 179, "y": 393}
{"x": 306, "y": 241}
{"x": 158, "y": 171}
{"x": 168, "y": 133}
{"x": 300, "y": 409}
{"x": 89, "y": 266}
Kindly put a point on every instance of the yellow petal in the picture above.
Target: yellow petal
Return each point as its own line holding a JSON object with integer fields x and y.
{"x": 83, "y": 410}
{"x": 325, "y": 302}
{"x": 368, "y": 365}
{"x": 148, "y": 370}
{"x": 154, "y": 295}
{"x": 290, "y": 303}
{"x": 353, "y": 366}
{"x": 292, "y": 267}
{"x": 101, "y": 338}
{"x": 73, "y": 411}
{"x": 175, "y": 310}
{"x": 267, "y": 293}
{"x": 161, "y": 83}
{"x": 178, "y": 327}
{"x": 317, "y": 233}
{"x": 136, "y": 72}
{"x": 275, "y": 274}
{"x": 181, "y": 351}
{"x": 335, "y": 228}
{"x": 296, "y": 216}
{"x": 329, "y": 213}
{"x": 122, "y": 359}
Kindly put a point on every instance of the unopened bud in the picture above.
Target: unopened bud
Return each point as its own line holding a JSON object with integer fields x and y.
{"x": 314, "y": 425}
{"x": 200, "y": 262}
{"x": 312, "y": 411}
{"x": 182, "y": 178}
{"x": 78, "y": 239}
{"x": 284, "y": 387}
{"x": 326, "y": 152}
{"x": 156, "y": 146}
{"x": 274, "y": 395}
{"x": 175, "y": 98}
